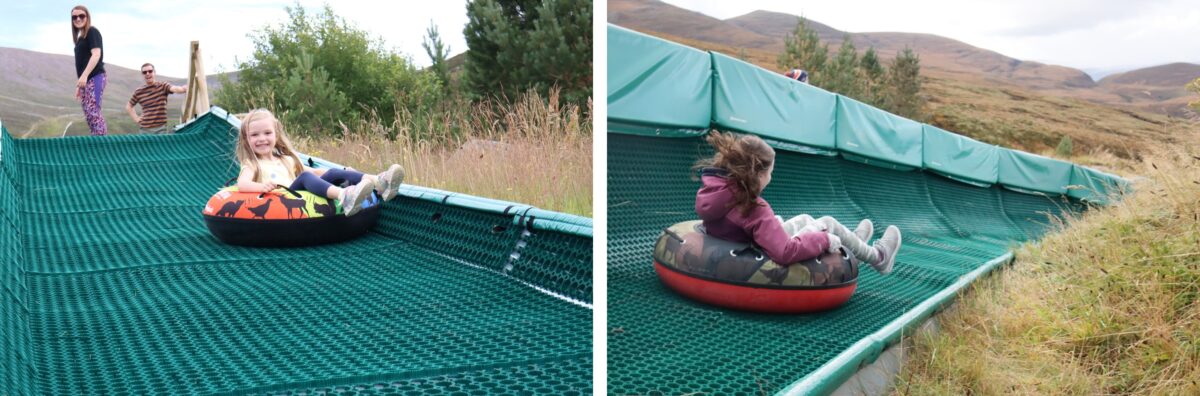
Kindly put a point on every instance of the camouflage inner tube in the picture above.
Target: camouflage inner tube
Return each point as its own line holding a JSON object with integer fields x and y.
{"x": 284, "y": 218}
{"x": 740, "y": 276}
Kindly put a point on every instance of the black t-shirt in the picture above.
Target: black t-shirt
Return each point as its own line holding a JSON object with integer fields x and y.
{"x": 83, "y": 52}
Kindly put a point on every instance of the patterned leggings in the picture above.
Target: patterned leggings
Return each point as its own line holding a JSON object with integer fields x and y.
{"x": 93, "y": 95}
{"x": 320, "y": 185}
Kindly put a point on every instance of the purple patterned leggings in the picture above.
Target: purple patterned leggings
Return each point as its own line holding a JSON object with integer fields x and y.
{"x": 93, "y": 95}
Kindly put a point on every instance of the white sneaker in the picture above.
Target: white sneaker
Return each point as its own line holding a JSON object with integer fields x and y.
{"x": 389, "y": 182}
{"x": 887, "y": 245}
{"x": 353, "y": 197}
{"x": 864, "y": 230}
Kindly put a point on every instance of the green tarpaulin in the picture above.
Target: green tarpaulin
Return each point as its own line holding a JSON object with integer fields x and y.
{"x": 959, "y": 157}
{"x": 750, "y": 99}
{"x": 1026, "y": 171}
{"x": 870, "y": 133}
{"x": 658, "y": 83}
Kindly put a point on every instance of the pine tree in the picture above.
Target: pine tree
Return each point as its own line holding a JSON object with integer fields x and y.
{"x": 803, "y": 49}
{"x": 842, "y": 74}
{"x": 904, "y": 86}
{"x": 529, "y": 44}
{"x": 437, "y": 52}
{"x": 872, "y": 78}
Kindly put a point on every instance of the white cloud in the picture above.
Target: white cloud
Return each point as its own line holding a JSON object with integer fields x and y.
{"x": 160, "y": 32}
{"x": 1085, "y": 34}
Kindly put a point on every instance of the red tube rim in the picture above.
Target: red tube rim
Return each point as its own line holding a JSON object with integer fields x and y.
{"x": 757, "y": 299}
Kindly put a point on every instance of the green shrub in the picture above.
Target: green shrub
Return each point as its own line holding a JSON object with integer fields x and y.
{"x": 1064, "y": 148}
{"x": 319, "y": 71}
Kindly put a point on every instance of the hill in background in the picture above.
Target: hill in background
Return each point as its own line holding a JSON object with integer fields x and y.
{"x": 941, "y": 57}
{"x": 37, "y": 94}
{"x": 972, "y": 91}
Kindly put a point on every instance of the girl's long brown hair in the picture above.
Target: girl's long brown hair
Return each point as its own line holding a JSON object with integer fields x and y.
{"x": 745, "y": 157}
{"x": 87, "y": 24}
{"x": 283, "y": 146}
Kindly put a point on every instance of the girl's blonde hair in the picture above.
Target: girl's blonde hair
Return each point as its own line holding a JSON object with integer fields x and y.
{"x": 283, "y": 146}
{"x": 745, "y": 157}
{"x": 80, "y": 33}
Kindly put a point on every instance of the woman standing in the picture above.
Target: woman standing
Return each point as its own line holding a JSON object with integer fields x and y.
{"x": 89, "y": 67}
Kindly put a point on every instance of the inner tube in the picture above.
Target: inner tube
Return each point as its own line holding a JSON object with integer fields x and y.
{"x": 284, "y": 218}
{"x": 740, "y": 276}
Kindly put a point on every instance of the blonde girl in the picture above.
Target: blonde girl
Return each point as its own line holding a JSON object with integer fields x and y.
{"x": 268, "y": 162}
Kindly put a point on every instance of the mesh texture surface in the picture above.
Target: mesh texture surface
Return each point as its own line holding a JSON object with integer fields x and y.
{"x": 111, "y": 284}
{"x": 662, "y": 343}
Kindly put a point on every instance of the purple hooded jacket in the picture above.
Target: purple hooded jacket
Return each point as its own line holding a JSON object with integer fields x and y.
{"x": 759, "y": 226}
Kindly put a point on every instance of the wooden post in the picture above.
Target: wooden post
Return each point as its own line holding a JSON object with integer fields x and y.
{"x": 197, "y": 95}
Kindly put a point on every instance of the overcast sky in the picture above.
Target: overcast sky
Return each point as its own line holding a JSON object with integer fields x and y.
{"x": 1097, "y": 36}
{"x": 136, "y": 32}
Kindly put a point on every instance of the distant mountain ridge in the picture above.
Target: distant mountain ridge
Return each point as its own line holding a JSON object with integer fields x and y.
{"x": 1154, "y": 88}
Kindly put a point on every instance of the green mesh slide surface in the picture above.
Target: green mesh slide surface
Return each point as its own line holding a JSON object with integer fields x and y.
{"x": 662, "y": 343}
{"x": 110, "y": 283}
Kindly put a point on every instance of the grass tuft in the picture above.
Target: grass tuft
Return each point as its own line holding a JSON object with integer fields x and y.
{"x": 535, "y": 151}
{"x": 1110, "y": 304}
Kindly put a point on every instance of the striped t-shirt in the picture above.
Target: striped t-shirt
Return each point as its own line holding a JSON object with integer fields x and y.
{"x": 153, "y": 98}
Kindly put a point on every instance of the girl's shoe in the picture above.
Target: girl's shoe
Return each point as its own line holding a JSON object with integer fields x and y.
{"x": 353, "y": 197}
{"x": 887, "y": 246}
{"x": 388, "y": 184}
{"x": 864, "y": 230}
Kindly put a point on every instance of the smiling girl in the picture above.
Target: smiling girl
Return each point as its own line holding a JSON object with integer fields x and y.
{"x": 268, "y": 162}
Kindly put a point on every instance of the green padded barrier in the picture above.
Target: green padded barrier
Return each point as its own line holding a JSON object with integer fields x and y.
{"x": 872, "y": 135}
{"x": 978, "y": 214}
{"x": 748, "y": 98}
{"x": 656, "y": 82}
{"x": 1032, "y": 172}
{"x": 1033, "y": 213}
{"x": 959, "y": 157}
{"x": 126, "y": 292}
{"x": 1095, "y": 186}
{"x": 901, "y": 198}
{"x": 661, "y": 343}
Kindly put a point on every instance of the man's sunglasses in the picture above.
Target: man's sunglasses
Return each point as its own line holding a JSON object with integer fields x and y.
{"x": 78, "y": 17}
{"x": 147, "y": 71}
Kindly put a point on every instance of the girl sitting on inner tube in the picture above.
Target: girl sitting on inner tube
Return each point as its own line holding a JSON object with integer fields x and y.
{"x": 268, "y": 162}
{"x": 731, "y": 206}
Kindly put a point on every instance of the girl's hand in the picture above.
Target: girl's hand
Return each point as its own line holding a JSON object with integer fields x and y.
{"x": 835, "y": 243}
{"x": 269, "y": 186}
{"x": 82, "y": 82}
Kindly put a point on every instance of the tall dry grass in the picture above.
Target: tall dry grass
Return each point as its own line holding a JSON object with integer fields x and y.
{"x": 536, "y": 151}
{"x": 1108, "y": 305}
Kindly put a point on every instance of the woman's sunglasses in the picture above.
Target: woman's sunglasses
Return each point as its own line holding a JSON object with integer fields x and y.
{"x": 78, "y": 17}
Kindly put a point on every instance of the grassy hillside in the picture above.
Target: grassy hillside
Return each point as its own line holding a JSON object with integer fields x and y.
{"x": 1016, "y": 117}
{"x": 1108, "y": 305}
{"x": 536, "y": 151}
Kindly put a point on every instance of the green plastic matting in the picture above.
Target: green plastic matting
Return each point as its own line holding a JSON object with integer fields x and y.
{"x": 662, "y": 343}
{"x": 111, "y": 284}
